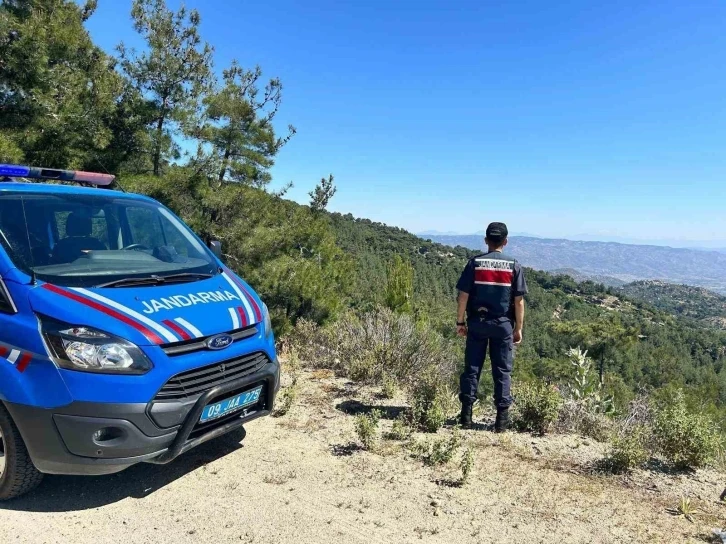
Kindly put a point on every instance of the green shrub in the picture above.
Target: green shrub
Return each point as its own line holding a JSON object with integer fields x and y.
{"x": 287, "y": 398}
{"x": 290, "y": 393}
{"x": 685, "y": 438}
{"x": 304, "y": 339}
{"x": 581, "y": 418}
{"x": 466, "y": 465}
{"x": 429, "y": 399}
{"x": 585, "y": 385}
{"x": 537, "y": 407}
{"x": 628, "y": 450}
{"x": 366, "y": 427}
{"x": 401, "y": 429}
{"x": 363, "y": 368}
{"x": 377, "y": 346}
{"x": 438, "y": 452}
{"x": 388, "y": 386}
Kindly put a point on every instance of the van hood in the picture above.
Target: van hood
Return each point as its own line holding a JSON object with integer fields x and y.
{"x": 155, "y": 315}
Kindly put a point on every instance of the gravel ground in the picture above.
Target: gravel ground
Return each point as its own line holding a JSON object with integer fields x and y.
{"x": 301, "y": 478}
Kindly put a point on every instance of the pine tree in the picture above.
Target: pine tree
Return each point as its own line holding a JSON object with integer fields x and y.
{"x": 321, "y": 195}
{"x": 239, "y": 126}
{"x": 399, "y": 288}
{"x": 57, "y": 89}
{"x": 175, "y": 72}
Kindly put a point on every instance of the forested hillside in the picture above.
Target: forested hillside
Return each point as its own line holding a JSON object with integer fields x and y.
{"x": 580, "y": 276}
{"x": 436, "y": 267}
{"x": 701, "y": 305}
{"x": 129, "y": 115}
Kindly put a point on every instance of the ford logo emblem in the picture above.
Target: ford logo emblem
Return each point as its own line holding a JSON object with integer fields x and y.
{"x": 220, "y": 341}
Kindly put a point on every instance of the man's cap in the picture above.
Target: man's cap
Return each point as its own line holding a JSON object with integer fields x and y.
{"x": 497, "y": 231}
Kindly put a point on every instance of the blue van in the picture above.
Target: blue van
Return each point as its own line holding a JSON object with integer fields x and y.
{"x": 123, "y": 338}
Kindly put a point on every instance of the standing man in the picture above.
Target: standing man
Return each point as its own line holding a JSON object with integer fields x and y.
{"x": 490, "y": 313}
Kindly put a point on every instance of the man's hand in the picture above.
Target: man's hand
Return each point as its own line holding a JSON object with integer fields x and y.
{"x": 461, "y": 313}
{"x": 518, "y": 319}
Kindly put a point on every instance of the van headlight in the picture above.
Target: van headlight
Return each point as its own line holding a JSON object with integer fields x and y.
{"x": 76, "y": 347}
{"x": 268, "y": 320}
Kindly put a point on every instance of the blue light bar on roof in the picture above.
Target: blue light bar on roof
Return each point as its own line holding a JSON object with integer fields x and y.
{"x": 14, "y": 170}
{"x": 78, "y": 176}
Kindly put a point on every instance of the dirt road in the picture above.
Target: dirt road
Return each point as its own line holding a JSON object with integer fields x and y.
{"x": 299, "y": 478}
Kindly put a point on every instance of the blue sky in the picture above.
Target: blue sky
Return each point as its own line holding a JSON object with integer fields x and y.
{"x": 581, "y": 119}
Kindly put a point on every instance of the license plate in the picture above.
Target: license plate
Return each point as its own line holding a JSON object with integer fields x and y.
{"x": 232, "y": 404}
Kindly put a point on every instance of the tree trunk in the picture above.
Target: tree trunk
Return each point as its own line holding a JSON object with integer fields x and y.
{"x": 223, "y": 171}
{"x": 157, "y": 150}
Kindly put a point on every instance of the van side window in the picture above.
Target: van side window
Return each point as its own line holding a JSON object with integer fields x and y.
{"x": 13, "y": 235}
{"x": 6, "y": 306}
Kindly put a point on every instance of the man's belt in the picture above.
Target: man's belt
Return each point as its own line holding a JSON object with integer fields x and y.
{"x": 482, "y": 313}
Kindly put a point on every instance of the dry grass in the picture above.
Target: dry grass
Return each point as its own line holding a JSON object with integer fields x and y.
{"x": 280, "y": 478}
{"x": 322, "y": 374}
{"x": 305, "y": 424}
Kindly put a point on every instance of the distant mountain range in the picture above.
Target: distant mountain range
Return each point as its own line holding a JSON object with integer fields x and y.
{"x": 610, "y": 261}
{"x": 704, "y": 245}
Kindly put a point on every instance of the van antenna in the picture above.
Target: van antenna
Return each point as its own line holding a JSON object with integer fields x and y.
{"x": 115, "y": 180}
{"x": 33, "y": 277}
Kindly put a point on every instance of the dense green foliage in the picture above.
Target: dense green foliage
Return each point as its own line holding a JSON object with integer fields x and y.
{"x": 399, "y": 287}
{"x": 685, "y": 437}
{"x": 538, "y": 406}
{"x": 375, "y": 247}
{"x": 60, "y": 97}
{"x": 628, "y": 450}
{"x": 702, "y": 305}
{"x": 68, "y": 104}
{"x": 287, "y": 252}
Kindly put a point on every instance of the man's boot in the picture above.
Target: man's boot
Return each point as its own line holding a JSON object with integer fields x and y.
{"x": 501, "y": 424}
{"x": 465, "y": 418}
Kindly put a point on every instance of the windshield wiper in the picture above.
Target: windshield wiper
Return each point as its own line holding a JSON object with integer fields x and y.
{"x": 183, "y": 277}
{"x": 132, "y": 282}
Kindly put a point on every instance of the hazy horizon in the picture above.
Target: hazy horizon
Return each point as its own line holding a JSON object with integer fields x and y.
{"x": 715, "y": 245}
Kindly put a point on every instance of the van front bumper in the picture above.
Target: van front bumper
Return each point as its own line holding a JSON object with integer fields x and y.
{"x": 85, "y": 438}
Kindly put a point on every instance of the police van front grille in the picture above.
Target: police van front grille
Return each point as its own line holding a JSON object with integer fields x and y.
{"x": 197, "y": 381}
{"x": 200, "y": 344}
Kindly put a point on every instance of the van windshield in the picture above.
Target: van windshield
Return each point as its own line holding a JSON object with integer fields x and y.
{"x": 82, "y": 241}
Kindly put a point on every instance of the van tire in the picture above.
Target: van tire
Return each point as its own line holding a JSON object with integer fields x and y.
{"x": 19, "y": 474}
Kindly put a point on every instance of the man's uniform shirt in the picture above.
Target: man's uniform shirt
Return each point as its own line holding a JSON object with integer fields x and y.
{"x": 492, "y": 281}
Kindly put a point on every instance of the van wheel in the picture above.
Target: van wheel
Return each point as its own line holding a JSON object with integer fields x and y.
{"x": 18, "y": 475}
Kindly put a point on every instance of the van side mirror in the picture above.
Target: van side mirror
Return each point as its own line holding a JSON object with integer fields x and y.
{"x": 216, "y": 247}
